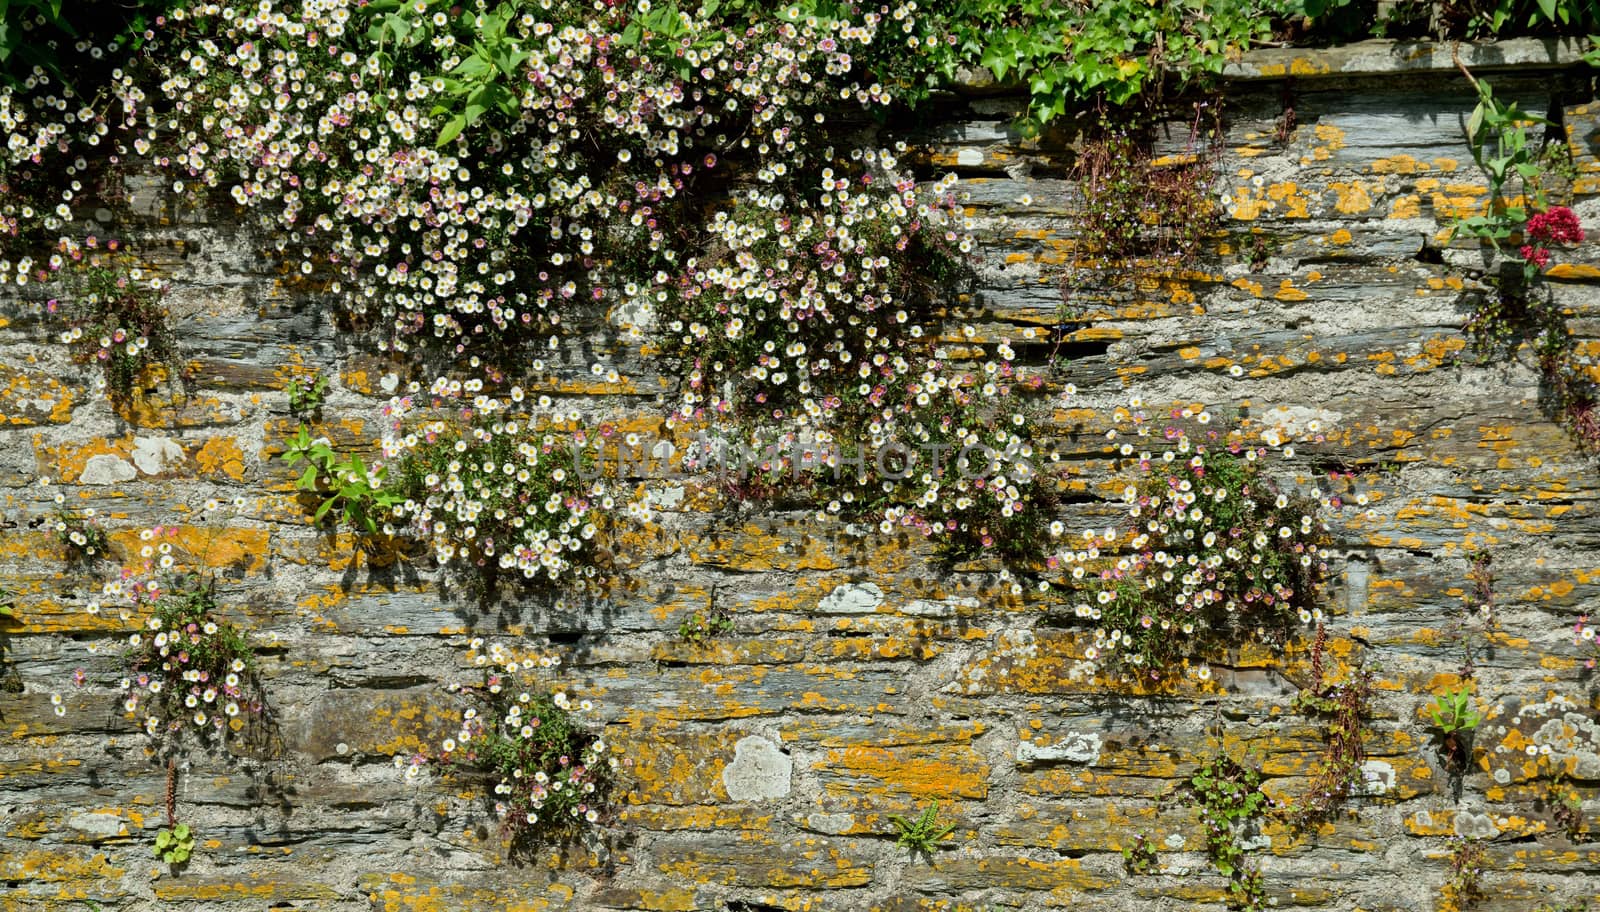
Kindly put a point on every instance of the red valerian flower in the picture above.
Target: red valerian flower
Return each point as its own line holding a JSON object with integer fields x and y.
{"x": 1538, "y": 256}
{"x": 1557, "y": 224}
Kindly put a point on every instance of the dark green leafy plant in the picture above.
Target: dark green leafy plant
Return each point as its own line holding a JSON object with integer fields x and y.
{"x": 1228, "y": 798}
{"x": 923, "y": 833}
{"x": 345, "y": 483}
{"x": 1071, "y": 54}
{"x": 306, "y": 396}
{"x": 1139, "y": 855}
{"x": 699, "y": 627}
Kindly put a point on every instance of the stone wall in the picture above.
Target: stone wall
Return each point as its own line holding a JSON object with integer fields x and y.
{"x": 863, "y": 680}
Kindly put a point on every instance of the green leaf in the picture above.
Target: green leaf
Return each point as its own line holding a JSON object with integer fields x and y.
{"x": 472, "y": 66}
{"x": 181, "y": 832}
{"x": 1548, "y": 7}
{"x": 451, "y": 129}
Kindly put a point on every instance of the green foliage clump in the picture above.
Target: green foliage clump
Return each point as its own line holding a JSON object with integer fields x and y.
{"x": 923, "y": 833}
{"x": 348, "y": 488}
{"x": 700, "y": 627}
{"x": 174, "y": 844}
{"x": 307, "y": 395}
{"x": 1227, "y": 796}
{"x": 1072, "y": 54}
{"x": 1139, "y": 855}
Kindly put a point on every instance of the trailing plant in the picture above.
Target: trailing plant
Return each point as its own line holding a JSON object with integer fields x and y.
{"x": 188, "y": 670}
{"x": 115, "y": 315}
{"x": 552, "y": 775}
{"x": 923, "y": 833}
{"x": 349, "y": 489}
{"x": 1227, "y": 796}
{"x": 502, "y": 487}
{"x": 1515, "y": 308}
{"x": 1134, "y": 208}
{"x": 1213, "y": 551}
{"x": 1337, "y": 775}
{"x": 1465, "y": 886}
{"x": 1139, "y": 855}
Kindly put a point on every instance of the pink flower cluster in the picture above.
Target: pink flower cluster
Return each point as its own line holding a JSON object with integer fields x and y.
{"x": 1556, "y": 225}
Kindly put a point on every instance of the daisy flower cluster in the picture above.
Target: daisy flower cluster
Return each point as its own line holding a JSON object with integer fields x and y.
{"x": 56, "y": 140}
{"x": 940, "y": 448}
{"x": 114, "y": 314}
{"x": 550, "y": 772}
{"x": 330, "y": 121}
{"x": 497, "y": 485}
{"x": 1213, "y": 550}
{"x": 187, "y": 670}
{"x": 814, "y": 301}
{"x": 77, "y": 531}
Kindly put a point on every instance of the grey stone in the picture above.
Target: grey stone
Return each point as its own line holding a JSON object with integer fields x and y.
{"x": 106, "y": 469}
{"x": 154, "y": 455}
{"x": 759, "y": 771}
{"x": 852, "y": 598}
